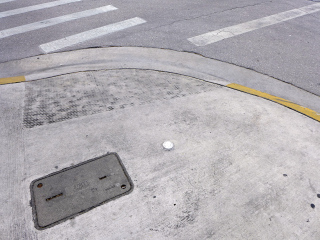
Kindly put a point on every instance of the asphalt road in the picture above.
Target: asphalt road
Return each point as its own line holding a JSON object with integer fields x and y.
{"x": 285, "y": 46}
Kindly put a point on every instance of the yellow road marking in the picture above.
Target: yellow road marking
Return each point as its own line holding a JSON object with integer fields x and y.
{"x": 306, "y": 111}
{"x": 12, "y": 80}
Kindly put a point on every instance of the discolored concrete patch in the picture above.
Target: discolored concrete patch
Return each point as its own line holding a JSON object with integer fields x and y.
{"x": 75, "y": 95}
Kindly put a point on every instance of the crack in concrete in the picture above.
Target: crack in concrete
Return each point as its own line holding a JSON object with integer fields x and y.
{"x": 207, "y": 15}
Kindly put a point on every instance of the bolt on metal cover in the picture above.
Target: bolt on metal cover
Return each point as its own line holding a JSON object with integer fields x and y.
{"x": 77, "y": 189}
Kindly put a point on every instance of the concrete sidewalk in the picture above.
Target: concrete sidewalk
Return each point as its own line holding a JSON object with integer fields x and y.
{"x": 242, "y": 167}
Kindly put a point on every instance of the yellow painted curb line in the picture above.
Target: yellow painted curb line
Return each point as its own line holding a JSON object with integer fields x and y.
{"x": 306, "y": 111}
{"x": 12, "y": 80}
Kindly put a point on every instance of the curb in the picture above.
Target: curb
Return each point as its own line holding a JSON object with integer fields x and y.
{"x": 188, "y": 64}
{"x": 305, "y": 111}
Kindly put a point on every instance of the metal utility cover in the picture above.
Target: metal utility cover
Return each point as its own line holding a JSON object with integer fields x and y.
{"x": 71, "y": 191}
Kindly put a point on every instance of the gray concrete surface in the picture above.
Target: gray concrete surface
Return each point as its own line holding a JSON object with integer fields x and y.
{"x": 288, "y": 51}
{"x": 242, "y": 167}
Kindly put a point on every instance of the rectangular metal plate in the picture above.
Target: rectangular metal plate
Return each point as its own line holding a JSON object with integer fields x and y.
{"x": 71, "y": 191}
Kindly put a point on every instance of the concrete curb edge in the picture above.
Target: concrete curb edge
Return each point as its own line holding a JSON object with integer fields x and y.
{"x": 192, "y": 65}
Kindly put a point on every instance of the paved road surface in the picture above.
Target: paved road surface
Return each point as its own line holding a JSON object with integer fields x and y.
{"x": 280, "y": 39}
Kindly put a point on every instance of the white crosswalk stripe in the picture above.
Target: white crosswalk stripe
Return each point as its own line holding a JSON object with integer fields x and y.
{"x": 54, "y": 21}
{"x": 69, "y": 40}
{"x": 89, "y": 35}
{"x": 36, "y": 7}
{"x": 224, "y": 33}
{"x": 5, "y": 1}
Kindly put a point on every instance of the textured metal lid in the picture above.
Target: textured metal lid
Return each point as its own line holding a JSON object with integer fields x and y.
{"x": 71, "y": 191}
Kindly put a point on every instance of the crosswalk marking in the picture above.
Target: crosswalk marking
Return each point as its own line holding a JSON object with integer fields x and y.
{"x": 218, "y": 35}
{"x": 35, "y": 7}
{"x": 54, "y": 21}
{"x": 4, "y": 1}
{"x": 89, "y": 35}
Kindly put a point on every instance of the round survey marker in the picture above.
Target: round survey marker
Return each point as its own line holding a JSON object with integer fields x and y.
{"x": 167, "y": 145}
